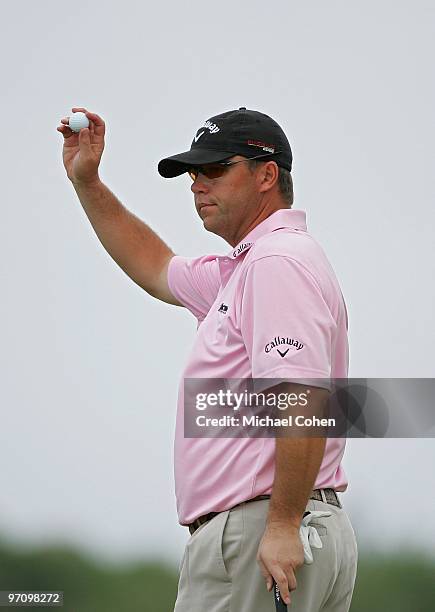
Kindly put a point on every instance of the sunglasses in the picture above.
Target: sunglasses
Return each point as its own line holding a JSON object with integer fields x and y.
{"x": 214, "y": 171}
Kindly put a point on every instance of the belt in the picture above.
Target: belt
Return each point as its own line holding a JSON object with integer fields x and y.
{"x": 329, "y": 496}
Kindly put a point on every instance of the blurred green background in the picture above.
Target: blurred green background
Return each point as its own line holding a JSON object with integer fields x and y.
{"x": 404, "y": 582}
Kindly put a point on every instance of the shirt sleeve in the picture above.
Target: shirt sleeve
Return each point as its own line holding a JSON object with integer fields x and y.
{"x": 287, "y": 327}
{"x": 195, "y": 282}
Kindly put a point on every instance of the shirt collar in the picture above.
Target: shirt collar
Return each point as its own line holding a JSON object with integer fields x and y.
{"x": 284, "y": 217}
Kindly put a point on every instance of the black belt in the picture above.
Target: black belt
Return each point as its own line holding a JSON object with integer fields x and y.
{"x": 328, "y": 496}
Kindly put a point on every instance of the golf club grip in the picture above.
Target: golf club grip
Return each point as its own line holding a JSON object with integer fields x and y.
{"x": 279, "y": 604}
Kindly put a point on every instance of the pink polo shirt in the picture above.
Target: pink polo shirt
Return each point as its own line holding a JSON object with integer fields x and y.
{"x": 276, "y": 283}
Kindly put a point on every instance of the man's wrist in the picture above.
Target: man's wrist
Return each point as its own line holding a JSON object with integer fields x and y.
{"x": 279, "y": 522}
{"x": 93, "y": 183}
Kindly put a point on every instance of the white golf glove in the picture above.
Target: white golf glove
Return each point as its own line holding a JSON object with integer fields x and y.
{"x": 309, "y": 536}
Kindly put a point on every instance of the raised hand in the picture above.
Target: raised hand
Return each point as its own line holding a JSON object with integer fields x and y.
{"x": 82, "y": 150}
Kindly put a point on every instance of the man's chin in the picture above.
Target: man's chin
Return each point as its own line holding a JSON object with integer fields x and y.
{"x": 211, "y": 225}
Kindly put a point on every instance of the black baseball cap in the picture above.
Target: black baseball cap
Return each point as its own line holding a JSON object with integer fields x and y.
{"x": 237, "y": 132}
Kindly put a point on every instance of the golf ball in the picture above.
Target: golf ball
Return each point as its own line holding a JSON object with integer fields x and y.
{"x": 78, "y": 121}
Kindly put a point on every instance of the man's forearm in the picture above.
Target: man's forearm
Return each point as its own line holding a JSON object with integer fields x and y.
{"x": 134, "y": 246}
{"x": 297, "y": 463}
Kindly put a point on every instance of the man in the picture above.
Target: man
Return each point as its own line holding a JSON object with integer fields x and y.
{"x": 271, "y": 309}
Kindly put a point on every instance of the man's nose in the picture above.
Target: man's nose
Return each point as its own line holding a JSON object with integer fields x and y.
{"x": 199, "y": 185}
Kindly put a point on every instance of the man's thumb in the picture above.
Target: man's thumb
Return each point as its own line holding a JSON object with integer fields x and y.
{"x": 84, "y": 137}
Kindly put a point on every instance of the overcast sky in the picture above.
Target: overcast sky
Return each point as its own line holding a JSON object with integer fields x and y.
{"x": 90, "y": 363}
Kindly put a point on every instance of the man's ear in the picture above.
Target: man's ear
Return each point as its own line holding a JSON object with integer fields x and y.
{"x": 268, "y": 176}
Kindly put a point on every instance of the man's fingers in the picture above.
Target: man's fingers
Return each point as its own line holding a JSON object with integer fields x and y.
{"x": 282, "y": 582}
{"x": 85, "y": 137}
{"x": 65, "y": 131}
{"x": 286, "y": 581}
{"x": 99, "y": 126}
{"x": 269, "y": 582}
{"x": 91, "y": 116}
{"x": 96, "y": 123}
{"x": 266, "y": 574}
{"x": 291, "y": 580}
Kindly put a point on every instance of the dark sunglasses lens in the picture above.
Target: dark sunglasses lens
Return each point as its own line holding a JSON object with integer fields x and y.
{"x": 211, "y": 171}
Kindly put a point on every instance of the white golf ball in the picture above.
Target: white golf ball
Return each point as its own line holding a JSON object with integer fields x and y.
{"x": 78, "y": 121}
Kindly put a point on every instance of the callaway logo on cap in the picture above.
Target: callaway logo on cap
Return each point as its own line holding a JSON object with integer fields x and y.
{"x": 237, "y": 132}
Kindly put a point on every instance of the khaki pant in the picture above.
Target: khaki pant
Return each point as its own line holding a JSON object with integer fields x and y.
{"x": 219, "y": 571}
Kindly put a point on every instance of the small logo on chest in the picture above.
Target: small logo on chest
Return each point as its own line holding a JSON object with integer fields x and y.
{"x": 223, "y": 308}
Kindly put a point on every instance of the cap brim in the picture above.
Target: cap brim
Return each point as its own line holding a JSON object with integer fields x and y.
{"x": 178, "y": 164}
